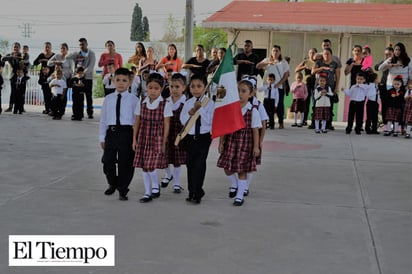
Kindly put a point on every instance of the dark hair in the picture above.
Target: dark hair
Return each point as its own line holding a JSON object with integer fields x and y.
{"x": 110, "y": 64}
{"x": 156, "y": 77}
{"x": 109, "y": 42}
{"x": 174, "y": 57}
{"x": 272, "y": 76}
{"x": 64, "y": 45}
{"x": 79, "y": 69}
{"x": 223, "y": 49}
{"x": 178, "y": 76}
{"x": 390, "y": 48}
{"x": 143, "y": 49}
{"x": 83, "y": 40}
{"x": 326, "y": 41}
{"x": 122, "y": 71}
{"x": 248, "y": 41}
{"x": 300, "y": 74}
{"x": 372, "y": 77}
{"x": 280, "y": 49}
{"x": 248, "y": 83}
{"x": 200, "y": 46}
{"x": 357, "y": 46}
{"x": 361, "y": 74}
{"x": 403, "y": 57}
{"x": 328, "y": 49}
{"x": 199, "y": 76}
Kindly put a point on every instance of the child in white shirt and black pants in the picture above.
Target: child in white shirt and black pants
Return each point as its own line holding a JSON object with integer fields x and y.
{"x": 116, "y": 135}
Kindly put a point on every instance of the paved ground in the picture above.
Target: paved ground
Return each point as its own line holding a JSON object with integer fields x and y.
{"x": 319, "y": 204}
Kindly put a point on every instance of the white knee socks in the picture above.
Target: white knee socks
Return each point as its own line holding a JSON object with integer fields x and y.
{"x": 176, "y": 176}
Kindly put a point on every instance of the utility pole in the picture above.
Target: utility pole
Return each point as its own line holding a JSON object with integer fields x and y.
{"x": 27, "y": 30}
{"x": 189, "y": 29}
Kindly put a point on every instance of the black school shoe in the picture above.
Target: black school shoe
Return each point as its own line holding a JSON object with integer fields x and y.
{"x": 145, "y": 199}
{"x": 232, "y": 192}
{"x": 238, "y": 202}
{"x": 157, "y": 194}
{"x": 110, "y": 190}
{"x": 123, "y": 197}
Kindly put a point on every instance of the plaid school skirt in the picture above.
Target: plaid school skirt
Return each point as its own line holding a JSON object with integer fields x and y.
{"x": 321, "y": 113}
{"x": 298, "y": 105}
{"x": 176, "y": 155}
{"x": 393, "y": 114}
{"x": 407, "y": 112}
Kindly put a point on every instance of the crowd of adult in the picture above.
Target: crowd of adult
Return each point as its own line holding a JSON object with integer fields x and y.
{"x": 395, "y": 63}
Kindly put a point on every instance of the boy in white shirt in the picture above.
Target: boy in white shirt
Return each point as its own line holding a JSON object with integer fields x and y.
{"x": 58, "y": 88}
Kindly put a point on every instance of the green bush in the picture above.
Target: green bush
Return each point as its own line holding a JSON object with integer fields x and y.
{"x": 98, "y": 90}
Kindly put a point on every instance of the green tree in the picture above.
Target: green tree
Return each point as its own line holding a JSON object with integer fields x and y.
{"x": 209, "y": 38}
{"x": 173, "y": 30}
{"x": 136, "y": 32}
{"x": 146, "y": 31}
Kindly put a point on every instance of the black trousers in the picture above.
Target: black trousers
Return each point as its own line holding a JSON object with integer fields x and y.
{"x": 372, "y": 109}
{"x": 118, "y": 158}
{"x": 269, "y": 105}
{"x": 47, "y": 96}
{"x": 308, "y": 101}
{"x": 78, "y": 104}
{"x": 18, "y": 99}
{"x": 88, "y": 91}
{"x": 197, "y": 150}
{"x": 58, "y": 105}
{"x": 280, "y": 110}
{"x": 355, "y": 109}
{"x": 13, "y": 80}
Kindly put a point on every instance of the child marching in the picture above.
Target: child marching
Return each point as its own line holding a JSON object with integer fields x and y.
{"x": 150, "y": 134}
{"x": 238, "y": 150}
{"x": 176, "y": 154}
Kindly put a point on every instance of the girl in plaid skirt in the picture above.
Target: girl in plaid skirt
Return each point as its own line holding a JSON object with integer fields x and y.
{"x": 395, "y": 98}
{"x": 322, "y": 96}
{"x": 238, "y": 150}
{"x": 176, "y": 154}
{"x": 150, "y": 134}
{"x": 407, "y": 112}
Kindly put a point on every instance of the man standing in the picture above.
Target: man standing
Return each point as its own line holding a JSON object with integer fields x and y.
{"x": 85, "y": 58}
{"x": 246, "y": 61}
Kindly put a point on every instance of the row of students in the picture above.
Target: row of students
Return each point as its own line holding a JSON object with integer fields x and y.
{"x": 141, "y": 134}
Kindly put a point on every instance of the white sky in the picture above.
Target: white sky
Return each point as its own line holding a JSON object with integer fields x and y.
{"x": 67, "y": 20}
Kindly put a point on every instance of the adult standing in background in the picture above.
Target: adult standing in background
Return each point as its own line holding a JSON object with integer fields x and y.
{"x": 148, "y": 63}
{"x": 85, "y": 58}
{"x": 170, "y": 61}
{"x": 329, "y": 67}
{"x": 354, "y": 64}
{"x": 278, "y": 66}
{"x": 309, "y": 79}
{"x": 110, "y": 56}
{"x": 139, "y": 54}
{"x": 399, "y": 64}
{"x": 246, "y": 61}
{"x": 15, "y": 61}
{"x": 199, "y": 63}
{"x": 45, "y": 56}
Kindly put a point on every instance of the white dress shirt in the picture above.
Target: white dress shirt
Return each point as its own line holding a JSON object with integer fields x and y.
{"x": 261, "y": 109}
{"x": 154, "y": 105}
{"x": 178, "y": 102}
{"x": 357, "y": 92}
{"x": 128, "y": 105}
{"x": 206, "y": 115}
{"x": 256, "y": 121}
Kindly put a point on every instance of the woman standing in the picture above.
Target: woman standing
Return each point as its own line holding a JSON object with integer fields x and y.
{"x": 354, "y": 64}
{"x": 277, "y": 65}
{"x": 328, "y": 66}
{"x": 170, "y": 61}
{"x": 309, "y": 79}
{"x": 399, "y": 64}
{"x": 148, "y": 63}
{"x": 199, "y": 63}
{"x": 140, "y": 53}
{"x": 110, "y": 56}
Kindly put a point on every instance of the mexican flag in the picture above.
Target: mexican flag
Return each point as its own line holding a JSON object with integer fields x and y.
{"x": 227, "y": 117}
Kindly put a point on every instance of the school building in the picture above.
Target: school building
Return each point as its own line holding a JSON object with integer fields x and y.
{"x": 297, "y": 27}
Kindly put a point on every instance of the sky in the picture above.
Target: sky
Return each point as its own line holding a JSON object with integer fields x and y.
{"x": 60, "y": 21}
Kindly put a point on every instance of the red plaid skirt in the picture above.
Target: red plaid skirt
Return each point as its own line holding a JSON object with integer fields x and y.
{"x": 393, "y": 114}
{"x": 176, "y": 155}
{"x": 321, "y": 113}
{"x": 298, "y": 105}
{"x": 237, "y": 155}
{"x": 150, "y": 139}
{"x": 407, "y": 112}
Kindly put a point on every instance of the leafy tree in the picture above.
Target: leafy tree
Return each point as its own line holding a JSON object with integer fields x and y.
{"x": 209, "y": 38}
{"x": 136, "y": 32}
{"x": 146, "y": 31}
{"x": 173, "y": 30}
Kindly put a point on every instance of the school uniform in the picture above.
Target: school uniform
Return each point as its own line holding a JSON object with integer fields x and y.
{"x": 322, "y": 104}
{"x": 78, "y": 93}
{"x": 270, "y": 102}
{"x": 116, "y": 131}
{"x": 263, "y": 118}
{"x": 357, "y": 94}
{"x": 149, "y": 153}
{"x": 57, "y": 103}
{"x": 394, "y": 105}
{"x": 372, "y": 110}
{"x": 407, "y": 111}
{"x": 176, "y": 155}
{"x": 19, "y": 93}
{"x": 198, "y": 142}
{"x": 237, "y": 155}
{"x": 109, "y": 86}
